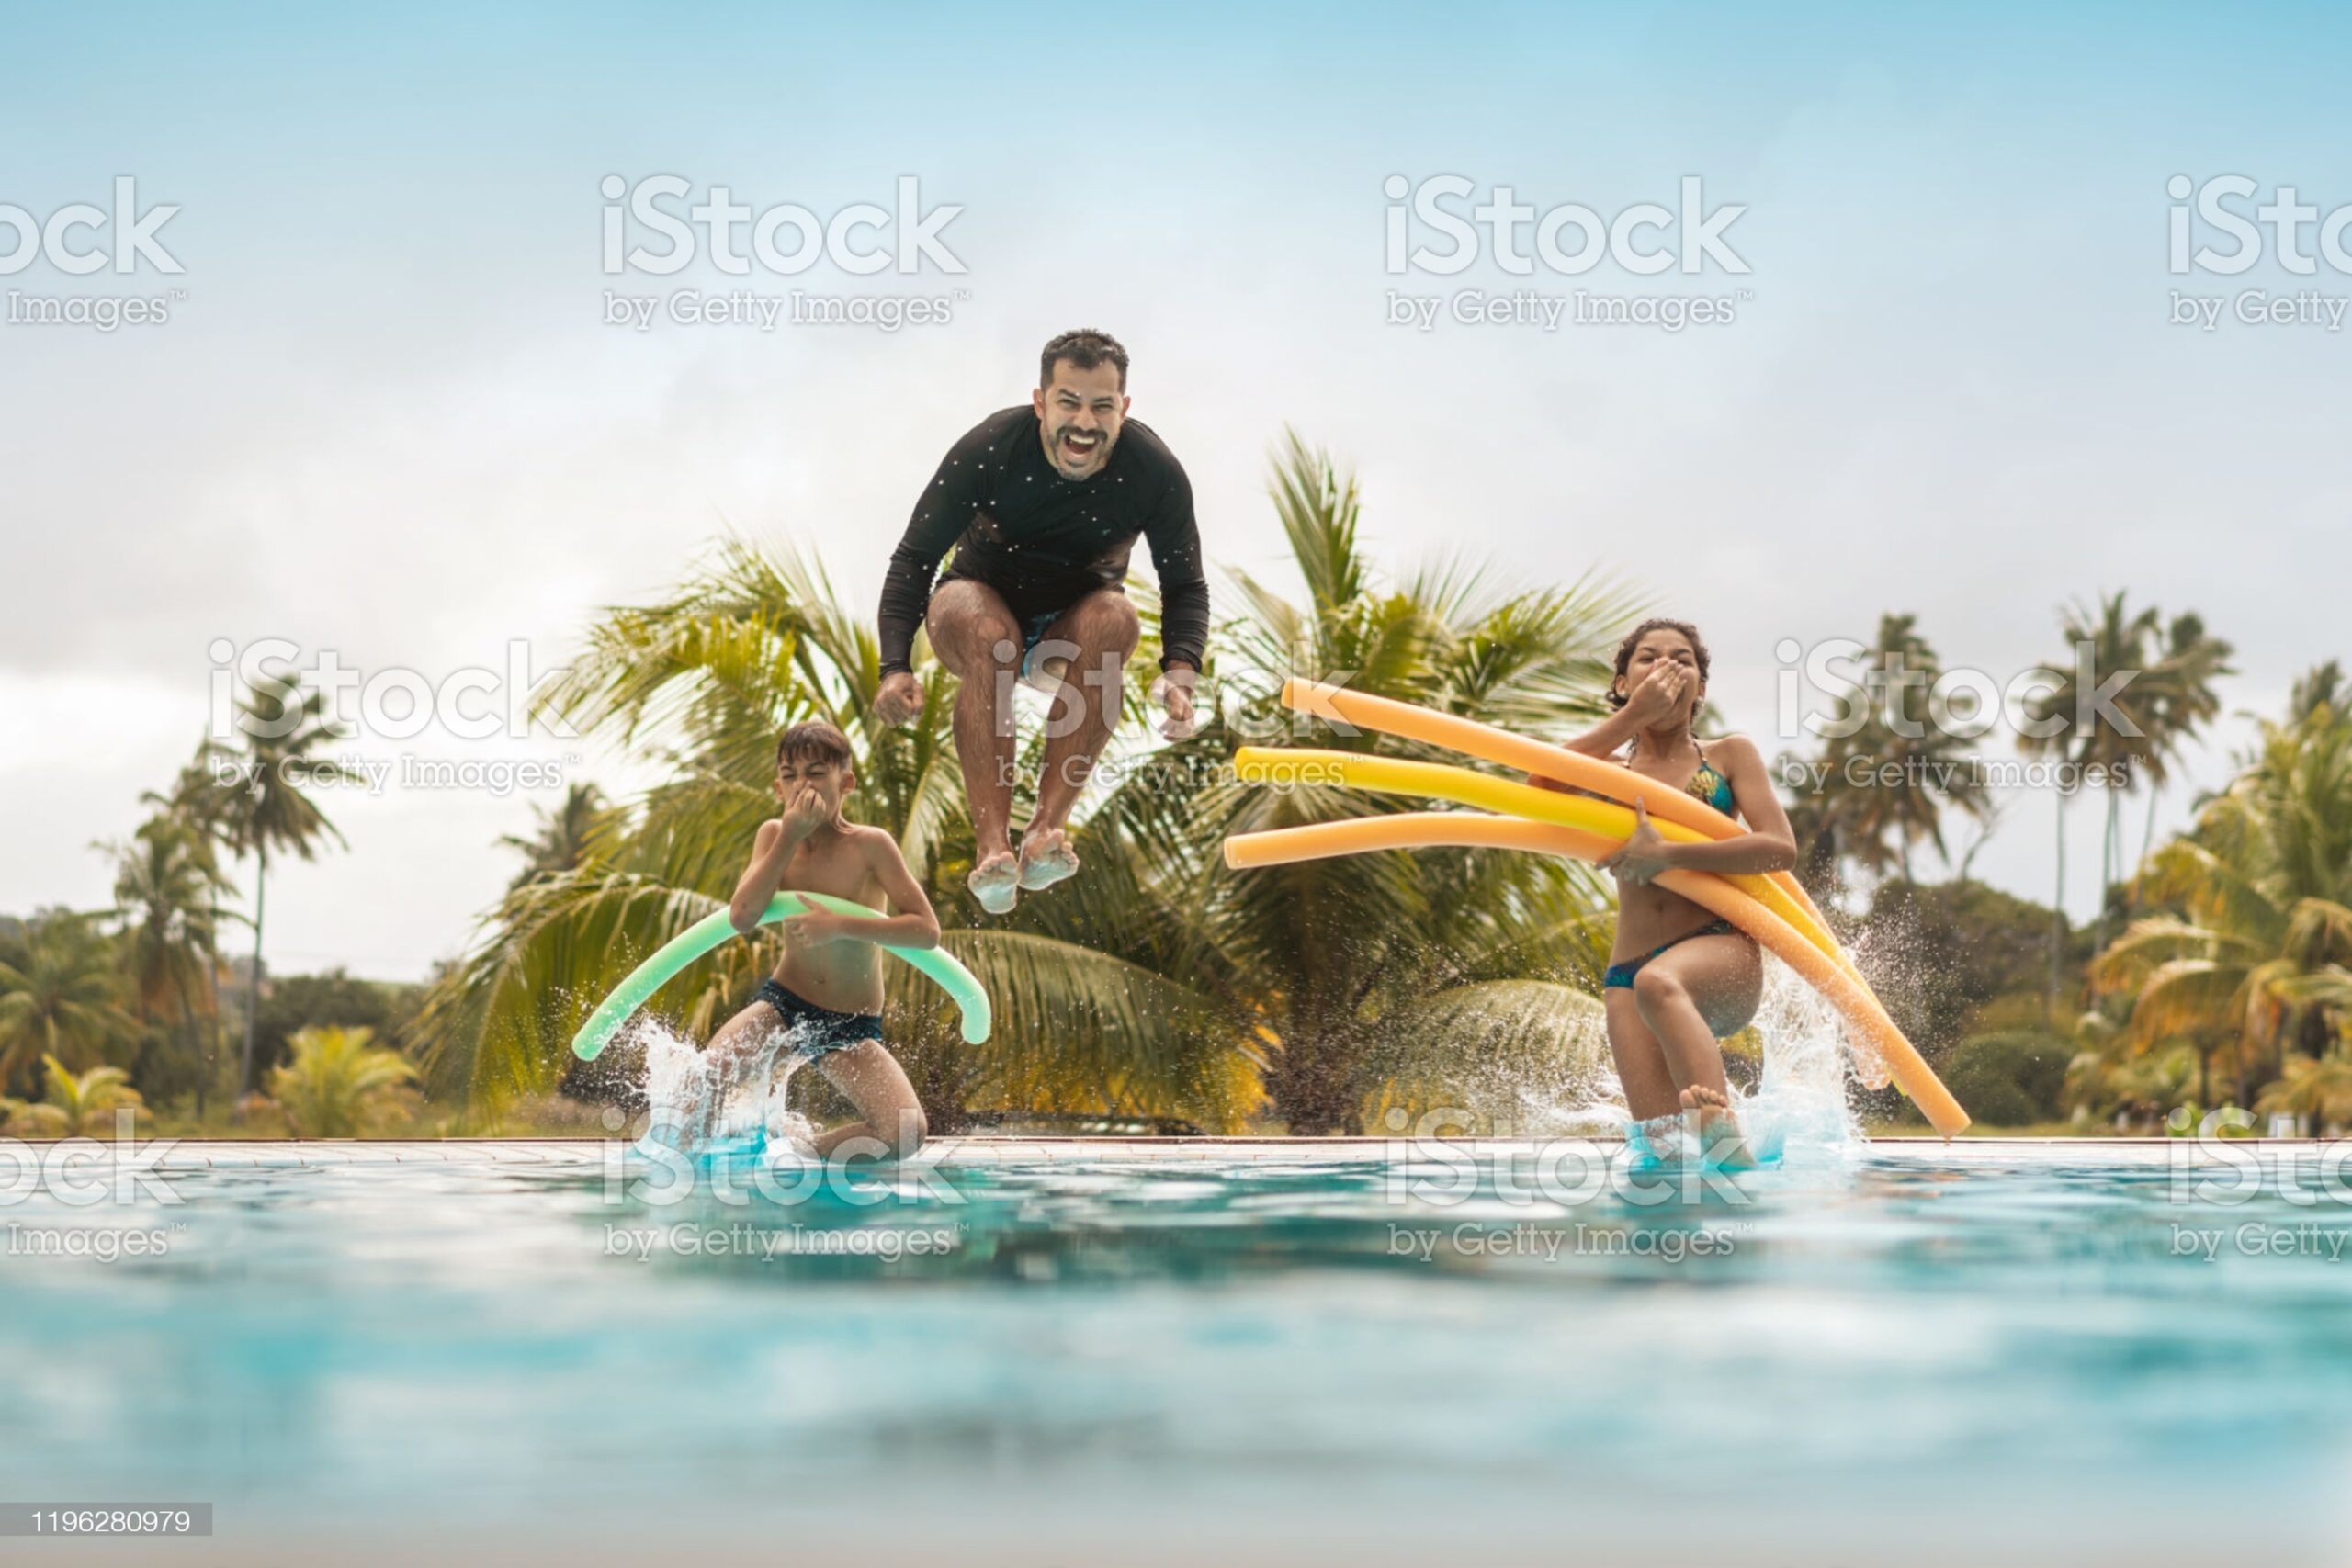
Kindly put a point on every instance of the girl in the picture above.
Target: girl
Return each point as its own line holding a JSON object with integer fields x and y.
{"x": 1679, "y": 978}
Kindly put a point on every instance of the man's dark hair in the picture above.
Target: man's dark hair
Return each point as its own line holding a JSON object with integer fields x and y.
{"x": 1085, "y": 349}
{"x": 813, "y": 739}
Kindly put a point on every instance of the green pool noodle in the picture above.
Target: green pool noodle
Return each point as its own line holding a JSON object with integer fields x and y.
{"x": 715, "y": 929}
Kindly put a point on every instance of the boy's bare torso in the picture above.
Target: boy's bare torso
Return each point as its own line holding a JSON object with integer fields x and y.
{"x": 845, "y": 976}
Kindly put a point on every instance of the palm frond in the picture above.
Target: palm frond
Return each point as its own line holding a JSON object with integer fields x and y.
{"x": 1079, "y": 1029}
{"x": 1498, "y": 1049}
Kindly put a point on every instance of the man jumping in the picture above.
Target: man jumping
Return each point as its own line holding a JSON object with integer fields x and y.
{"x": 1042, "y": 505}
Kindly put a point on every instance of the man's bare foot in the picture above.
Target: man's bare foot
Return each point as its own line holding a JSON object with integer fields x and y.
{"x": 1046, "y": 859}
{"x": 1708, "y": 1121}
{"x": 996, "y": 883}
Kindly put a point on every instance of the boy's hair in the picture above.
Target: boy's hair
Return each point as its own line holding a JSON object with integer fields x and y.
{"x": 1690, "y": 634}
{"x": 815, "y": 739}
{"x": 1084, "y": 348}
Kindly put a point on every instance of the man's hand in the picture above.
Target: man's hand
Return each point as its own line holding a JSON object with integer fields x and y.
{"x": 899, "y": 699}
{"x": 1174, "y": 692}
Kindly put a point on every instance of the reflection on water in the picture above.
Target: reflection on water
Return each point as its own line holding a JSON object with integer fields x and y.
{"x": 1833, "y": 1333}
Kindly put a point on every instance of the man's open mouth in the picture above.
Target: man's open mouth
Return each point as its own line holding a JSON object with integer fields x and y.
{"x": 1081, "y": 446}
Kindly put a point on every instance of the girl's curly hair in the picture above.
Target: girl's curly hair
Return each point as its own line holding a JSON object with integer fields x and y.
{"x": 1689, "y": 633}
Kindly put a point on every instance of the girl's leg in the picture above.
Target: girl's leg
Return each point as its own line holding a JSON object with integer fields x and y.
{"x": 1692, "y": 995}
{"x": 889, "y": 1114}
{"x": 1650, "y": 1088}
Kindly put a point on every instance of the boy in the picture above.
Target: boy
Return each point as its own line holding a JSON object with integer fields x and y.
{"x": 826, "y": 993}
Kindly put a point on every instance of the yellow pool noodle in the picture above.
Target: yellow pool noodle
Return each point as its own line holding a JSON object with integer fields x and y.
{"x": 1386, "y": 715}
{"x": 1422, "y": 830}
{"x": 1438, "y": 781}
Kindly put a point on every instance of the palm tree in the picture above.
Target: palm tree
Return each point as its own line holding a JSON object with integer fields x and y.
{"x": 2320, "y": 686}
{"x": 338, "y": 1083}
{"x": 1821, "y": 820}
{"x": 1922, "y": 770}
{"x": 61, "y": 995}
{"x": 2185, "y": 704}
{"x": 568, "y": 837}
{"x": 2101, "y": 645}
{"x": 1372, "y": 971}
{"x": 700, "y": 684}
{"x": 2145, "y": 1086}
{"x": 75, "y": 1103}
{"x": 202, "y": 802}
{"x": 2255, "y": 945}
{"x": 2317, "y": 1091}
{"x": 1885, "y": 787}
{"x": 1158, "y": 985}
{"x": 167, "y": 891}
{"x": 284, "y": 729}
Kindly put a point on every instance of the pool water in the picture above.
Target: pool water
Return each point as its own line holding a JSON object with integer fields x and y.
{"x": 1198, "y": 1348}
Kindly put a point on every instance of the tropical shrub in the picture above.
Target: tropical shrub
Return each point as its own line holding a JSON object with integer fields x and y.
{"x": 75, "y": 1104}
{"x": 337, "y": 1083}
{"x": 2014, "y": 1078}
{"x": 61, "y": 995}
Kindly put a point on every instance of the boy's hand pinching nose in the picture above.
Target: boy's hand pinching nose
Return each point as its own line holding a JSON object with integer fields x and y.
{"x": 805, "y": 812}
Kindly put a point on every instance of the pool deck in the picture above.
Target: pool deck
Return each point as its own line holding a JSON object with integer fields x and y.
{"x": 194, "y": 1153}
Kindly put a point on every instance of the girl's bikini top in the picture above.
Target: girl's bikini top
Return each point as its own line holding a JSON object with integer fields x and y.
{"x": 1706, "y": 784}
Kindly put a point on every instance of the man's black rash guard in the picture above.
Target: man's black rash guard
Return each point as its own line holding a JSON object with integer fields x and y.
{"x": 1045, "y": 542}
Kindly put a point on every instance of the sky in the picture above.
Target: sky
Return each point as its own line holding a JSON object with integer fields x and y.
{"x": 390, "y": 414}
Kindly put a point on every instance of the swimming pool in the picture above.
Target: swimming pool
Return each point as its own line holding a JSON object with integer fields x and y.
{"x": 1185, "y": 1350}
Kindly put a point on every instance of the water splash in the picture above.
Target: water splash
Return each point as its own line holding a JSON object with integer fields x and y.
{"x": 1799, "y": 1113}
{"x": 1584, "y": 1099}
{"x": 702, "y": 1109}
{"x": 1801, "y": 1102}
